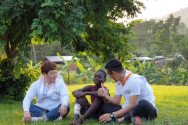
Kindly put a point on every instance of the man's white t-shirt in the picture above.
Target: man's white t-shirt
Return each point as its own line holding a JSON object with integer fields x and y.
{"x": 135, "y": 85}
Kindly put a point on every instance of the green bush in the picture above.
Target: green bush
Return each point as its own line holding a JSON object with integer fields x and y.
{"x": 166, "y": 75}
{"x": 11, "y": 89}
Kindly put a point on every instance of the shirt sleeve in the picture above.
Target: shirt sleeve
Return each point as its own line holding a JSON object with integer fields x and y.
{"x": 64, "y": 94}
{"x": 31, "y": 93}
{"x": 135, "y": 87}
{"x": 117, "y": 92}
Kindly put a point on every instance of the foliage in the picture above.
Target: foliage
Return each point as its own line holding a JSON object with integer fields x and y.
{"x": 165, "y": 34}
{"x": 12, "y": 88}
{"x": 168, "y": 99}
{"x": 33, "y": 71}
{"x": 72, "y": 78}
{"x": 66, "y": 67}
{"x": 158, "y": 37}
{"x": 162, "y": 75}
{"x": 176, "y": 62}
{"x": 142, "y": 35}
{"x": 183, "y": 46}
{"x": 79, "y": 24}
{"x": 85, "y": 74}
{"x": 41, "y": 51}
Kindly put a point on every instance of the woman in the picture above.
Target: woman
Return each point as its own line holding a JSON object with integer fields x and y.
{"x": 52, "y": 97}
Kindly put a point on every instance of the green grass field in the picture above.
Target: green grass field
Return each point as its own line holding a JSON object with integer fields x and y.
{"x": 171, "y": 101}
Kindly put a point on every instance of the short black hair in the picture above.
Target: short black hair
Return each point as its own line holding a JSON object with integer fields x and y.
{"x": 114, "y": 65}
{"x": 104, "y": 73}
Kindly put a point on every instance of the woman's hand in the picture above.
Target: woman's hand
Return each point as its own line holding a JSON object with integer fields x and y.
{"x": 63, "y": 110}
{"x": 27, "y": 116}
{"x": 78, "y": 94}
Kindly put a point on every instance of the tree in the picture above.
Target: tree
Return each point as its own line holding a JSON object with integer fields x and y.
{"x": 79, "y": 24}
{"x": 183, "y": 46}
{"x": 142, "y": 35}
{"x": 165, "y": 34}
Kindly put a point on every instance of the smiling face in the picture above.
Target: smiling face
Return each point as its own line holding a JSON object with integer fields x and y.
{"x": 51, "y": 76}
{"x": 99, "y": 78}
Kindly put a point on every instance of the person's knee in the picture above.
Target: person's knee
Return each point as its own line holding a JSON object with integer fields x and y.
{"x": 144, "y": 103}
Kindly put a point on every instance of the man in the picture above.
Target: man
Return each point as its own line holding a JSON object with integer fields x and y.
{"x": 138, "y": 95}
{"x": 52, "y": 97}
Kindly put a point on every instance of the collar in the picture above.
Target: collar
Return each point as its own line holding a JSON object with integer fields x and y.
{"x": 46, "y": 84}
{"x": 127, "y": 75}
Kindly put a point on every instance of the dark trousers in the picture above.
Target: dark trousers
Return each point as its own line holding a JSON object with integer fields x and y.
{"x": 143, "y": 109}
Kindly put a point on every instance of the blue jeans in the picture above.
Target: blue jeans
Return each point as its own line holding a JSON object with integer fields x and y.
{"x": 47, "y": 115}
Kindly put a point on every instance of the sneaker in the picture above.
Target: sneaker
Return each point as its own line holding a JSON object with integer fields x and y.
{"x": 115, "y": 120}
{"x": 138, "y": 121}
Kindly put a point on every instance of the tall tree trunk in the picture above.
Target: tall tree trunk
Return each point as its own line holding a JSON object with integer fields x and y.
{"x": 11, "y": 53}
{"x": 85, "y": 80}
{"x": 34, "y": 54}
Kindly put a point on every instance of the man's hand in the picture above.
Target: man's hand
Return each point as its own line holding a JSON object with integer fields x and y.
{"x": 27, "y": 116}
{"x": 105, "y": 118}
{"x": 78, "y": 94}
{"x": 102, "y": 91}
{"x": 83, "y": 102}
{"x": 63, "y": 110}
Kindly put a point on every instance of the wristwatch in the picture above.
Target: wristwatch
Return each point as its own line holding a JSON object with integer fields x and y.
{"x": 112, "y": 115}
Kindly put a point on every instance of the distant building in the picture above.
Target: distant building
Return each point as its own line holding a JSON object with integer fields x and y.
{"x": 158, "y": 59}
{"x": 58, "y": 60}
{"x": 142, "y": 59}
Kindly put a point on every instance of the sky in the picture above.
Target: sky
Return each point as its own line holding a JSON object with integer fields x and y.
{"x": 160, "y": 8}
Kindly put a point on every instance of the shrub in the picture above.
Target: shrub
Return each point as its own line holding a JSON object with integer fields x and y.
{"x": 11, "y": 89}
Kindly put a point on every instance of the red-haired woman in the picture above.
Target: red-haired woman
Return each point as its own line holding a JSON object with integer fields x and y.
{"x": 52, "y": 97}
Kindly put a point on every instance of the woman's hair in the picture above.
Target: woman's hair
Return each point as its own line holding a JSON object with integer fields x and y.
{"x": 47, "y": 66}
{"x": 114, "y": 65}
{"x": 104, "y": 73}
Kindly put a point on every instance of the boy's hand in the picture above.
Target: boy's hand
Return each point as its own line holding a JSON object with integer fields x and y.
{"x": 102, "y": 91}
{"x": 27, "y": 116}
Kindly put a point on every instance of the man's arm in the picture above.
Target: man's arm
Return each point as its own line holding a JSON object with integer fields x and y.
{"x": 102, "y": 93}
{"x": 132, "y": 103}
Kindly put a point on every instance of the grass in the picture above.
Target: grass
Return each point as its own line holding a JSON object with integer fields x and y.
{"x": 171, "y": 101}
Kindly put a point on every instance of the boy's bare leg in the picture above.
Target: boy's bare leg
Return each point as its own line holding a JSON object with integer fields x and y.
{"x": 76, "y": 117}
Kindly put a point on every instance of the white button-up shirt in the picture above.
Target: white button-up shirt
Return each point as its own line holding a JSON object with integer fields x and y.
{"x": 57, "y": 94}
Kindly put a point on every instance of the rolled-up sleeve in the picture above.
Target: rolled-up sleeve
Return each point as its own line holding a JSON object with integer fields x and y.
{"x": 31, "y": 93}
{"x": 64, "y": 95}
{"x": 117, "y": 92}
